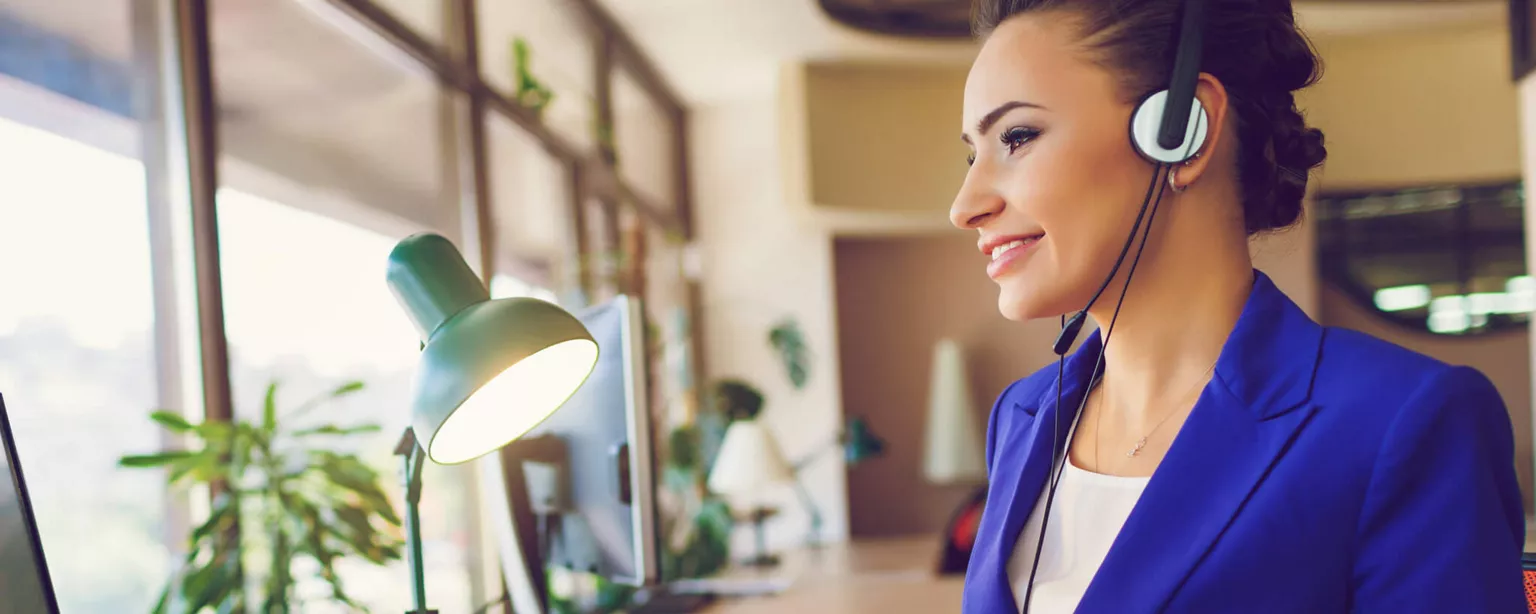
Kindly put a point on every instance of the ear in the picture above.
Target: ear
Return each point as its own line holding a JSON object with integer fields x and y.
{"x": 1213, "y": 98}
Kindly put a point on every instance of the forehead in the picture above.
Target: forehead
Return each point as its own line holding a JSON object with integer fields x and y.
{"x": 1035, "y": 58}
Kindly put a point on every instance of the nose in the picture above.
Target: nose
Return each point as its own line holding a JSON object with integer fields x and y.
{"x": 976, "y": 204}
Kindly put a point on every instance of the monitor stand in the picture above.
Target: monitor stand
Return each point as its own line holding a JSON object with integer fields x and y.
{"x": 526, "y": 578}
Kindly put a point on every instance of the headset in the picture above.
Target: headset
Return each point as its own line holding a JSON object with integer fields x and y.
{"x": 1168, "y": 128}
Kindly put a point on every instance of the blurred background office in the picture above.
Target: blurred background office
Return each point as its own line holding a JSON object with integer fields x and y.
{"x": 197, "y": 199}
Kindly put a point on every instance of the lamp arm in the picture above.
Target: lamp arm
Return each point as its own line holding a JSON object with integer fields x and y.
{"x": 801, "y": 464}
{"x": 412, "y": 458}
{"x": 810, "y": 507}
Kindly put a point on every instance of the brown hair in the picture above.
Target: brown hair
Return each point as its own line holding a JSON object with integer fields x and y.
{"x": 1252, "y": 46}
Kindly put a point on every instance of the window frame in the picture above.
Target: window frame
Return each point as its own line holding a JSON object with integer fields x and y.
{"x": 182, "y": 155}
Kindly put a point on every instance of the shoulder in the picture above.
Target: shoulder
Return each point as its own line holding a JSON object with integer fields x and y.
{"x": 1363, "y": 371}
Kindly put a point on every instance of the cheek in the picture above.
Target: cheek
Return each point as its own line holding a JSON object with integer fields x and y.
{"x": 1083, "y": 190}
{"x": 1077, "y": 191}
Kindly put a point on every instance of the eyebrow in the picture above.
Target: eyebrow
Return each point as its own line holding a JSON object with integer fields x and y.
{"x": 988, "y": 120}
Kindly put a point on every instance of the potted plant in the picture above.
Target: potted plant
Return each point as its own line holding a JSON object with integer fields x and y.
{"x": 283, "y": 496}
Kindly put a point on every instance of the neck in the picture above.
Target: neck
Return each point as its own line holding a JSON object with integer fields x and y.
{"x": 1176, "y": 316}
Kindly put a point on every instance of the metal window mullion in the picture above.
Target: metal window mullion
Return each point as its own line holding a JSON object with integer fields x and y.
{"x": 179, "y": 152}
{"x": 181, "y": 160}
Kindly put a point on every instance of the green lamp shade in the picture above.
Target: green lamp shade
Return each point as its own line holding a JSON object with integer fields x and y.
{"x": 860, "y": 443}
{"x": 491, "y": 370}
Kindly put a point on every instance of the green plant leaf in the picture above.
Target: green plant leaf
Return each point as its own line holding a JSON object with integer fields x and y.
{"x": 359, "y": 534}
{"x": 269, "y": 409}
{"x": 353, "y": 475}
{"x": 738, "y": 399}
{"x": 154, "y": 460}
{"x": 336, "y": 393}
{"x": 220, "y": 519}
{"x": 346, "y": 389}
{"x": 201, "y": 467}
{"x": 331, "y": 429}
{"x": 163, "y": 604}
{"x": 786, "y": 338}
{"x": 214, "y": 584}
{"x": 172, "y": 421}
{"x": 214, "y": 432}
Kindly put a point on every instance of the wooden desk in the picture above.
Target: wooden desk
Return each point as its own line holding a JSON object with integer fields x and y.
{"x": 863, "y": 577}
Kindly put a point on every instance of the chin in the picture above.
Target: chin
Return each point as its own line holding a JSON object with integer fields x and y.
{"x": 1021, "y": 298}
{"x": 1018, "y": 303}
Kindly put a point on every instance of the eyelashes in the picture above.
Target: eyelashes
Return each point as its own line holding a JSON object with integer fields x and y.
{"x": 1013, "y": 139}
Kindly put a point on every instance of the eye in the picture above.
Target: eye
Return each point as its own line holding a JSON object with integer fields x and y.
{"x": 970, "y": 159}
{"x": 1014, "y": 138}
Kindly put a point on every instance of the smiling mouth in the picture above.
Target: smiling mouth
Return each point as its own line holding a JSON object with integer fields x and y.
{"x": 1000, "y": 250}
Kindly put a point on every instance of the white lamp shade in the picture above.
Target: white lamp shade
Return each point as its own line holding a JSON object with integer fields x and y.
{"x": 952, "y": 451}
{"x": 749, "y": 460}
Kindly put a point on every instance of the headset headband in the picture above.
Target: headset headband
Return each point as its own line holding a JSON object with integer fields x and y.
{"x": 1186, "y": 69}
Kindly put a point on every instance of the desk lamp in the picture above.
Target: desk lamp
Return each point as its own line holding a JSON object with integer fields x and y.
{"x": 490, "y": 370}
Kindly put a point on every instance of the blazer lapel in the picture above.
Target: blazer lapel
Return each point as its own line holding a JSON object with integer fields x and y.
{"x": 1026, "y": 429}
{"x": 1242, "y": 424}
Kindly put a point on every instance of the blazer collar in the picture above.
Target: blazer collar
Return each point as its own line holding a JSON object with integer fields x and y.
{"x": 1241, "y": 425}
{"x": 1268, "y": 361}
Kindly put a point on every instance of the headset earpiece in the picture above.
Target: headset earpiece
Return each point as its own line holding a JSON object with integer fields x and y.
{"x": 1147, "y": 121}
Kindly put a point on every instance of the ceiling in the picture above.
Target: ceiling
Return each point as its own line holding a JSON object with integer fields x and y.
{"x": 716, "y": 50}
{"x": 951, "y": 18}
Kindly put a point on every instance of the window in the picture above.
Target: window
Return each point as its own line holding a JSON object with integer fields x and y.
{"x": 669, "y": 329}
{"x": 559, "y": 61}
{"x": 333, "y": 153}
{"x": 530, "y": 205}
{"x": 423, "y": 16}
{"x": 1447, "y": 259}
{"x": 336, "y": 141}
{"x": 77, "y": 322}
{"x": 643, "y": 135}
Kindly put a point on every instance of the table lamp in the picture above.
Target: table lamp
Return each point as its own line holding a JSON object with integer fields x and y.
{"x": 490, "y": 370}
{"x": 952, "y": 452}
{"x": 749, "y": 461}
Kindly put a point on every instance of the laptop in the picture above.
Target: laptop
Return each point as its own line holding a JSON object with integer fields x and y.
{"x": 24, "y": 580}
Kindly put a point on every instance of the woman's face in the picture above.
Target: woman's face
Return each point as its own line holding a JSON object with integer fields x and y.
{"x": 1054, "y": 184}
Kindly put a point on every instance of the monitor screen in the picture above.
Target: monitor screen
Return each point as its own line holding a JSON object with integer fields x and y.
{"x": 24, "y": 584}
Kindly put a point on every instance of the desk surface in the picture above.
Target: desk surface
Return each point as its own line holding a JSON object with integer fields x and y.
{"x": 865, "y": 576}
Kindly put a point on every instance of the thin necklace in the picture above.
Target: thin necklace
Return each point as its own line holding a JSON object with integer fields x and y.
{"x": 1142, "y": 443}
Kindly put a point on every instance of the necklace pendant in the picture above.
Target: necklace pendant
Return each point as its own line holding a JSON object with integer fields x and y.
{"x": 1137, "y": 450}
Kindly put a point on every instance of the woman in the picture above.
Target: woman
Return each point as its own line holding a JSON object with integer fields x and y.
{"x": 1232, "y": 455}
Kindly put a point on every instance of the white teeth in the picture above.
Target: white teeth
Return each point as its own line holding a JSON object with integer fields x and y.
{"x": 997, "y": 252}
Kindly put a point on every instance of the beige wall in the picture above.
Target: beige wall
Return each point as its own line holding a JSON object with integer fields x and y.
{"x": 896, "y": 298}
{"x": 1416, "y": 108}
{"x": 759, "y": 265}
{"x": 885, "y": 137}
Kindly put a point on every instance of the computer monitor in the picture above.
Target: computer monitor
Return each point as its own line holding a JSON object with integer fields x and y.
{"x": 588, "y": 471}
{"x": 25, "y": 587}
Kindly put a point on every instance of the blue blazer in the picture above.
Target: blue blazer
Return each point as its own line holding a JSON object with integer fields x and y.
{"x": 1321, "y": 470}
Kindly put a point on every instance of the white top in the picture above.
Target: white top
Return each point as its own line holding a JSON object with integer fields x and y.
{"x": 1087, "y": 514}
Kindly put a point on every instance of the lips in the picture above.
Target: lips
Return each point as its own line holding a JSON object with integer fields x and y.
{"x": 1006, "y": 250}
{"x": 997, "y": 246}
